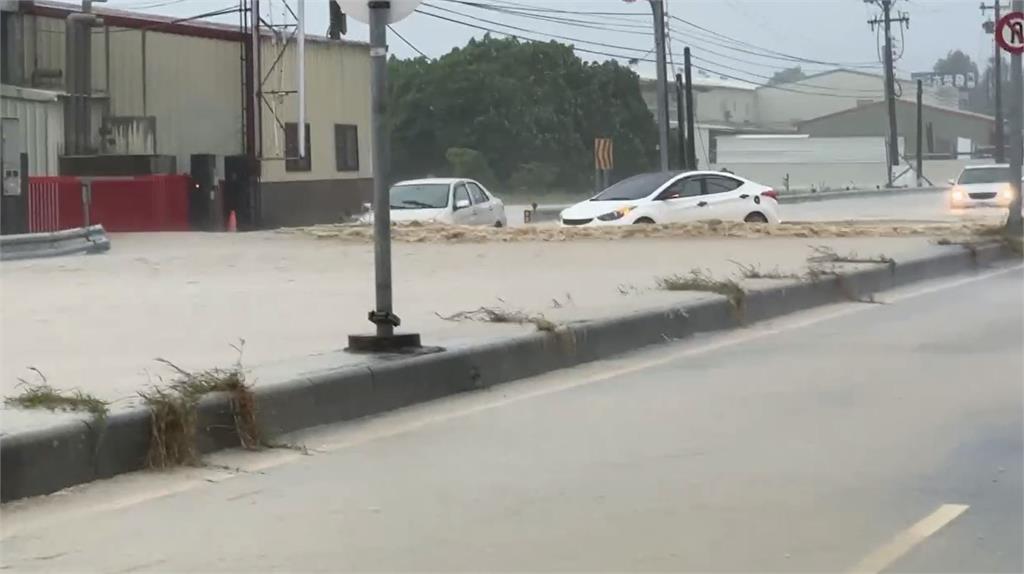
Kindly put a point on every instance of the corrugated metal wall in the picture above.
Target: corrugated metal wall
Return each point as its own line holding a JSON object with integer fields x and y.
{"x": 193, "y": 88}
{"x": 41, "y": 129}
{"x": 337, "y": 92}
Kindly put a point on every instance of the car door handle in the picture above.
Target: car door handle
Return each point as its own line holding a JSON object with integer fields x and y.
{"x": 744, "y": 196}
{"x": 702, "y": 204}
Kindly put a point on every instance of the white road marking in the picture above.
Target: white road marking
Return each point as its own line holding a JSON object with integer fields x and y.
{"x": 19, "y": 518}
{"x": 905, "y": 541}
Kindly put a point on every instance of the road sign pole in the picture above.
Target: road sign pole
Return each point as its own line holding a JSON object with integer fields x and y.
{"x": 1011, "y": 31}
{"x": 383, "y": 315}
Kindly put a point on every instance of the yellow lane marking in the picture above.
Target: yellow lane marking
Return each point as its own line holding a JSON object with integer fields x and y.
{"x": 905, "y": 541}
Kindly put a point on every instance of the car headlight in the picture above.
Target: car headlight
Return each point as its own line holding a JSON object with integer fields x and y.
{"x": 1007, "y": 193}
{"x": 617, "y": 214}
{"x": 958, "y": 195}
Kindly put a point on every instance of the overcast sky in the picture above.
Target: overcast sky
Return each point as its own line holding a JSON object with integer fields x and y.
{"x": 821, "y": 30}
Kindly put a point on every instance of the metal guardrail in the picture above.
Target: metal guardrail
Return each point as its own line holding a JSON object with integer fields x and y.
{"x": 92, "y": 239}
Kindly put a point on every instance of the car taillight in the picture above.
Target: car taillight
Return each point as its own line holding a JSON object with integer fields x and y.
{"x": 771, "y": 193}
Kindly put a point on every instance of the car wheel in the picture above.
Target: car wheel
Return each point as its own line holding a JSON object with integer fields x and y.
{"x": 499, "y": 224}
{"x": 643, "y": 221}
{"x": 755, "y": 217}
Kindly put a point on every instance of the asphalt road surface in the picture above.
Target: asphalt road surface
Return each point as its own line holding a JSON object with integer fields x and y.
{"x": 858, "y": 437}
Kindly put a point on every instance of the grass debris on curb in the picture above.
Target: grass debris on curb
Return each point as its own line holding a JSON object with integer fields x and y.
{"x": 700, "y": 280}
{"x": 825, "y": 254}
{"x": 498, "y": 315}
{"x": 754, "y": 271}
{"x": 174, "y": 411}
{"x": 43, "y": 396}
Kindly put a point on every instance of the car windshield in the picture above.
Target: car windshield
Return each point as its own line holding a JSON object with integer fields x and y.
{"x": 419, "y": 196}
{"x": 986, "y": 175}
{"x": 636, "y": 187}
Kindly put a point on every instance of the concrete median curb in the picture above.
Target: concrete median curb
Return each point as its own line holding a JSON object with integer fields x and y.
{"x": 44, "y": 461}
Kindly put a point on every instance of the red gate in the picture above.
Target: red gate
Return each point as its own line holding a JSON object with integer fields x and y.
{"x": 140, "y": 203}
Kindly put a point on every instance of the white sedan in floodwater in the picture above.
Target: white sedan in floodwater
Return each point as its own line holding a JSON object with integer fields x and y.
{"x": 453, "y": 201}
{"x": 673, "y": 197}
{"x": 981, "y": 186}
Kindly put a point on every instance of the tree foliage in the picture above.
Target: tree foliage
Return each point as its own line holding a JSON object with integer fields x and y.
{"x": 787, "y": 75}
{"x": 955, "y": 62}
{"x": 531, "y": 110}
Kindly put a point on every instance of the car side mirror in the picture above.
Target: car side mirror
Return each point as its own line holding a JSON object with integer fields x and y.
{"x": 669, "y": 196}
{"x": 461, "y": 204}
{"x": 951, "y": 181}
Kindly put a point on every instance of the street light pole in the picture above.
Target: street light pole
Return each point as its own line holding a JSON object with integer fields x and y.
{"x": 658, "y": 9}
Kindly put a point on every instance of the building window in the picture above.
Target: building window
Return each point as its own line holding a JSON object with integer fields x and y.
{"x": 346, "y": 147}
{"x": 291, "y": 149}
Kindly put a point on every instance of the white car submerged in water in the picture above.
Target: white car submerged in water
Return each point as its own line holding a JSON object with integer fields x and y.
{"x": 673, "y": 197}
{"x": 453, "y": 201}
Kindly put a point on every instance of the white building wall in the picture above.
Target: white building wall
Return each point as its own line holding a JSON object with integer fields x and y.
{"x": 40, "y": 126}
{"x": 337, "y": 92}
{"x": 193, "y": 89}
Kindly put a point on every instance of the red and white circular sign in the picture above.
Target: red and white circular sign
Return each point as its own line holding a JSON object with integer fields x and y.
{"x": 1010, "y": 32}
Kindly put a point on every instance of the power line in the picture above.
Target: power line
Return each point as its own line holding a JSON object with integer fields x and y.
{"x": 604, "y": 26}
{"x": 407, "y": 42}
{"x": 618, "y": 56}
{"x": 524, "y": 13}
{"x": 813, "y": 91}
{"x": 158, "y": 25}
{"x": 781, "y": 55}
{"x": 530, "y": 8}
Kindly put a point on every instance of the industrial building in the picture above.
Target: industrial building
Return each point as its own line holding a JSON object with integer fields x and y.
{"x": 118, "y": 93}
{"x": 947, "y": 132}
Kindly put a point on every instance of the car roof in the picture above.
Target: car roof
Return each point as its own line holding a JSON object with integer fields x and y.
{"x": 987, "y": 166}
{"x": 444, "y": 180}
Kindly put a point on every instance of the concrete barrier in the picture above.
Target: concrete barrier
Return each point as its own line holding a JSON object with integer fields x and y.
{"x": 44, "y": 461}
{"x": 92, "y": 239}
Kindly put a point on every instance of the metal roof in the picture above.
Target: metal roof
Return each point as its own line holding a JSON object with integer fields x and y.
{"x": 158, "y": 23}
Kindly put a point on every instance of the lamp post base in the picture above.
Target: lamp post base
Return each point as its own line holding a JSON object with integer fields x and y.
{"x": 397, "y": 343}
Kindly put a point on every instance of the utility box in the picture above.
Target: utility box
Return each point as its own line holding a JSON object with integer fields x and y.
{"x": 14, "y": 171}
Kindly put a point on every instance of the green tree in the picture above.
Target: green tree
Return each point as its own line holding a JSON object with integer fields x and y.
{"x": 787, "y": 75}
{"x": 955, "y": 62}
{"x": 517, "y": 104}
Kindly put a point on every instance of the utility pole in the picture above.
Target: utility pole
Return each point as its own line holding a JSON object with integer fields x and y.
{"x": 997, "y": 72}
{"x": 680, "y": 123}
{"x": 658, "y": 9}
{"x": 890, "y": 77}
{"x": 691, "y": 148}
{"x": 1014, "y": 224}
{"x": 920, "y": 133}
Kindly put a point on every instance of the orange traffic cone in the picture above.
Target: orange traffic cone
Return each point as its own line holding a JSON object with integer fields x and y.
{"x": 232, "y": 222}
